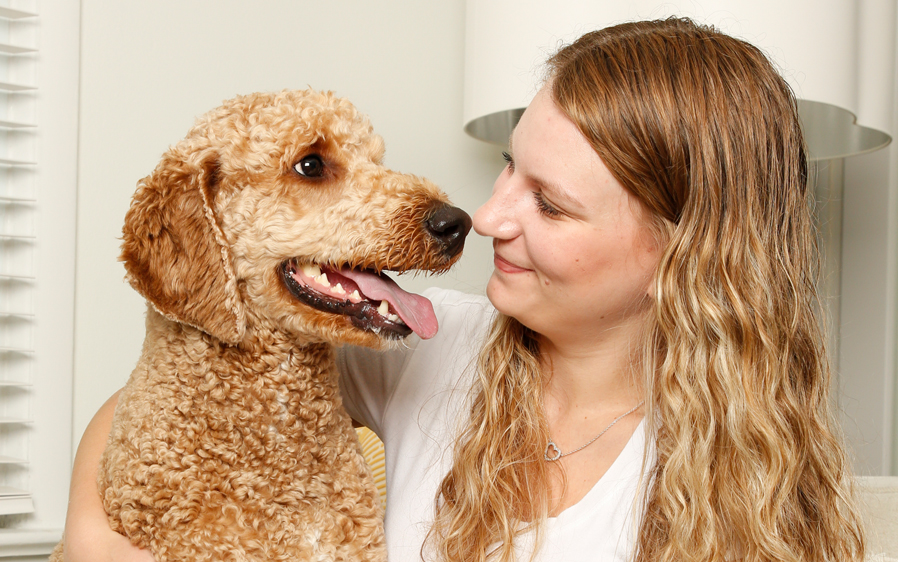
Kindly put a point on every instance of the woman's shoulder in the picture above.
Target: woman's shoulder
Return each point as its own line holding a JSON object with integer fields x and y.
{"x": 416, "y": 371}
{"x": 463, "y": 321}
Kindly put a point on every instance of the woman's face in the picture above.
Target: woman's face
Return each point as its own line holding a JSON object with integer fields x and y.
{"x": 573, "y": 252}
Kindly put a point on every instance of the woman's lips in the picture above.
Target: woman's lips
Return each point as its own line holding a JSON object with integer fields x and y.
{"x": 506, "y": 266}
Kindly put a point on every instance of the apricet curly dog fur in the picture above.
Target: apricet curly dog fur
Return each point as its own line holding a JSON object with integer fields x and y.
{"x": 258, "y": 242}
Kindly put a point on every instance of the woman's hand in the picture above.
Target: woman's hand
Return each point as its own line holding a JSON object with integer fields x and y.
{"x": 88, "y": 537}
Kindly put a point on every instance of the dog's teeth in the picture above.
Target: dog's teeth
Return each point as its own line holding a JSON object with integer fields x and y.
{"x": 323, "y": 279}
{"x": 339, "y": 290}
{"x": 384, "y": 308}
{"x": 355, "y": 296}
{"x": 392, "y": 318}
{"x": 311, "y": 270}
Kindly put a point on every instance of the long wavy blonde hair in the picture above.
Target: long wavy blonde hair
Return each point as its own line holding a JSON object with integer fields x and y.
{"x": 701, "y": 128}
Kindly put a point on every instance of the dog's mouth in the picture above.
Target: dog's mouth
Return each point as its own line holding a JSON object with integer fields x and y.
{"x": 372, "y": 301}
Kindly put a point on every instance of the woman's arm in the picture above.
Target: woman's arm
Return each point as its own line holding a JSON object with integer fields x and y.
{"x": 88, "y": 537}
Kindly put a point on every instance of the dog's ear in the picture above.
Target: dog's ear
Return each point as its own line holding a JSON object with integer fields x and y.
{"x": 175, "y": 253}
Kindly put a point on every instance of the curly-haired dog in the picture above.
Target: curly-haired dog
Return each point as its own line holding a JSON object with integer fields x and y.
{"x": 258, "y": 242}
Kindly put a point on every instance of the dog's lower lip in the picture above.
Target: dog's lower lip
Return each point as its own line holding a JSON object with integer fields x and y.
{"x": 362, "y": 313}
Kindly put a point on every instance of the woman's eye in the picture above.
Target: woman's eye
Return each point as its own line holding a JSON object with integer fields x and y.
{"x": 310, "y": 166}
{"x": 509, "y": 161}
{"x": 544, "y": 207}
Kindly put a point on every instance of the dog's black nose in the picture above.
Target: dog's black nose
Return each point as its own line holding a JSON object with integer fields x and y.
{"x": 450, "y": 225}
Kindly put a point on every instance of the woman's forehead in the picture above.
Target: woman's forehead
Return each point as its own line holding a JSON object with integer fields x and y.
{"x": 555, "y": 156}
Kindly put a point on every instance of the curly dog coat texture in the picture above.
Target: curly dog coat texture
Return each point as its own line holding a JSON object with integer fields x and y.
{"x": 229, "y": 441}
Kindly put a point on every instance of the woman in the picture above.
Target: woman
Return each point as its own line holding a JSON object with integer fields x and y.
{"x": 654, "y": 384}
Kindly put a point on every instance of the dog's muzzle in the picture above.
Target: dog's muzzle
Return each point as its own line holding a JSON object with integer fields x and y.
{"x": 368, "y": 298}
{"x": 449, "y": 225}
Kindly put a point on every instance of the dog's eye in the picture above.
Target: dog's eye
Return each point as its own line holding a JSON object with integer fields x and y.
{"x": 310, "y": 166}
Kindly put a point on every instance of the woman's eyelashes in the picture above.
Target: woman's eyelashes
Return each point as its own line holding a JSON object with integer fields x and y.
{"x": 509, "y": 161}
{"x": 544, "y": 207}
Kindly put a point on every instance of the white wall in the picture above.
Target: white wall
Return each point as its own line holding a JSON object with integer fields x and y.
{"x": 148, "y": 68}
{"x": 867, "y": 358}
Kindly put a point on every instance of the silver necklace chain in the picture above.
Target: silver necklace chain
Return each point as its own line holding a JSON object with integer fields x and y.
{"x": 553, "y": 453}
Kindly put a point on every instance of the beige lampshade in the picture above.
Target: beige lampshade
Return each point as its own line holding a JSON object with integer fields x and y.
{"x": 507, "y": 42}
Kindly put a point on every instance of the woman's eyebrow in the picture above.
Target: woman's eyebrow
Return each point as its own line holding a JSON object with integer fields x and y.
{"x": 558, "y": 193}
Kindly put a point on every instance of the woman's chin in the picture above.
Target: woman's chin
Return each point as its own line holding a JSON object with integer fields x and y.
{"x": 505, "y": 299}
{"x": 497, "y": 293}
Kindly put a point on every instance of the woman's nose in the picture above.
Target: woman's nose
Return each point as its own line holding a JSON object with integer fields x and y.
{"x": 496, "y": 218}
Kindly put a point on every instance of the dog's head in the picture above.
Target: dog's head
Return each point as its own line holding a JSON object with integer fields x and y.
{"x": 276, "y": 213}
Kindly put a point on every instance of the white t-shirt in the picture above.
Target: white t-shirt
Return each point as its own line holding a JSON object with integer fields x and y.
{"x": 416, "y": 398}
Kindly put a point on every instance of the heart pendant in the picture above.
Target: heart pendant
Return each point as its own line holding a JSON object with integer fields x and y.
{"x": 553, "y": 453}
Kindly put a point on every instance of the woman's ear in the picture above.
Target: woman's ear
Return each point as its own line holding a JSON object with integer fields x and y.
{"x": 175, "y": 253}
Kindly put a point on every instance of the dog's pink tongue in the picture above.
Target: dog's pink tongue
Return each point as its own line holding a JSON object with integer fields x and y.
{"x": 415, "y": 310}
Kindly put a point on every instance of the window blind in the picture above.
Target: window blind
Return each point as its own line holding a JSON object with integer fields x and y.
{"x": 18, "y": 236}
{"x": 39, "y": 62}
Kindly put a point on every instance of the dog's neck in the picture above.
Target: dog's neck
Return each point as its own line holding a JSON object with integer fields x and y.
{"x": 261, "y": 403}
{"x": 261, "y": 351}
